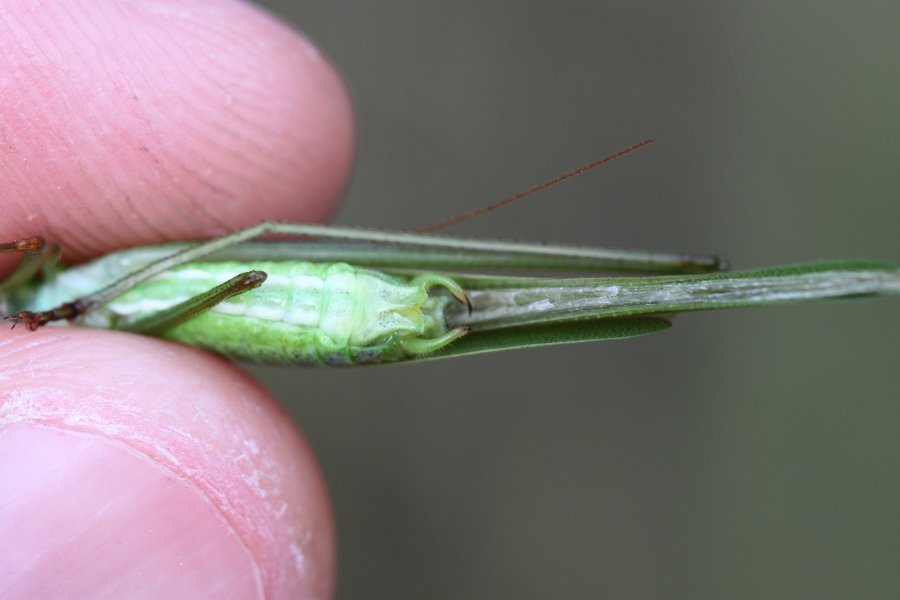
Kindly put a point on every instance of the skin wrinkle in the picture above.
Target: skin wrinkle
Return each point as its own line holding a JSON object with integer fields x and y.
{"x": 210, "y": 76}
{"x": 79, "y": 26}
{"x": 159, "y": 169}
{"x": 228, "y": 126}
{"x": 146, "y": 120}
{"x": 35, "y": 62}
{"x": 16, "y": 68}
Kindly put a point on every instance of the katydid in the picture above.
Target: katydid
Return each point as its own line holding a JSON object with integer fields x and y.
{"x": 346, "y": 296}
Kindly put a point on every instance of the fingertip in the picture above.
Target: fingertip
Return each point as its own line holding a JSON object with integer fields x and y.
{"x": 153, "y": 458}
{"x": 135, "y": 123}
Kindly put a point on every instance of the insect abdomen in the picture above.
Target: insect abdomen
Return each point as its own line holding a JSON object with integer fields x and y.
{"x": 305, "y": 313}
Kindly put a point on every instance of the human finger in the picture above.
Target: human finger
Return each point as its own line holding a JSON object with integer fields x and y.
{"x": 138, "y": 467}
{"x": 130, "y": 123}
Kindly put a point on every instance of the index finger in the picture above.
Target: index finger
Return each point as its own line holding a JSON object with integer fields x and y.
{"x": 134, "y": 123}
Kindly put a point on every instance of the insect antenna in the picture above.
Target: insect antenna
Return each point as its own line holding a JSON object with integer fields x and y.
{"x": 537, "y": 188}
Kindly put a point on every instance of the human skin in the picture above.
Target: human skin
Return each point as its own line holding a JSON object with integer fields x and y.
{"x": 130, "y": 466}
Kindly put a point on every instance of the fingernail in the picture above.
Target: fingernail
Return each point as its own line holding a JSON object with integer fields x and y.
{"x": 84, "y": 516}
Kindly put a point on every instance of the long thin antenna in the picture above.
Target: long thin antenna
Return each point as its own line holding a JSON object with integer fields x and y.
{"x": 537, "y": 188}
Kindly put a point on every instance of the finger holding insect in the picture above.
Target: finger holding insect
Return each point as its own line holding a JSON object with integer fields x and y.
{"x": 187, "y": 127}
{"x": 192, "y": 467}
{"x": 132, "y": 123}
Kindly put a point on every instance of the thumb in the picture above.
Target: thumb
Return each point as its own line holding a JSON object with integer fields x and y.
{"x": 172, "y": 476}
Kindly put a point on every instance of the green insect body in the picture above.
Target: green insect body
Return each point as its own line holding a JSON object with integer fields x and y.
{"x": 301, "y": 302}
{"x": 304, "y": 314}
{"x": 308, "y": 313}
{"x": 267, "y": 302}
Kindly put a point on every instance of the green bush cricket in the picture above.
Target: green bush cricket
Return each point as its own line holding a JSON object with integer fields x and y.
{"x": 357, "y": 296}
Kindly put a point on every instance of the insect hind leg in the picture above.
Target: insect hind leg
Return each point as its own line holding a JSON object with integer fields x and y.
{"x": 427, "y": 346}
{"x": 167, "y": 319}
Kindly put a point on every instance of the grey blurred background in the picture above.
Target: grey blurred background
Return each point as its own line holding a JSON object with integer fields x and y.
{"x": 750, "y": 453}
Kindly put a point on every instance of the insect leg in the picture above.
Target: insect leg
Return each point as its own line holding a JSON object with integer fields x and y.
{"x": 528, "y": 255}
{"x": 37, "y": 255}
{"x": 559, "y": 255}
{"x": 29, "y": 244}
{"x": 85, "y": 304}
{"x": 178, "y": 314}
{"x": 430, "y": 280}
{"x": 427, "y": 346}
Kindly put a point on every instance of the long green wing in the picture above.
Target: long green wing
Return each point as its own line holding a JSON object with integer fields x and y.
{"x": 514, "y": 312}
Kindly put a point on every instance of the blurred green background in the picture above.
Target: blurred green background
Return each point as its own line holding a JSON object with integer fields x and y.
{"x": 750, "y": 453}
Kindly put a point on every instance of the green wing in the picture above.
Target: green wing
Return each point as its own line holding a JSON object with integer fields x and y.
{"x": 514, "y": 312}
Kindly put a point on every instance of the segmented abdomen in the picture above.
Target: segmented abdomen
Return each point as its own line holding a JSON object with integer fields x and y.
{"x": 304, "y": 313}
